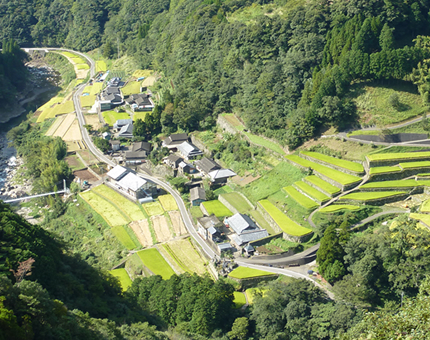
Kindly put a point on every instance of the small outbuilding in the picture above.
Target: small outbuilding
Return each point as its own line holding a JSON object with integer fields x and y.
{"x": 173, "y": 161}
{"x": 115, "y": 145}
{"x": 197, "y": 196}
{"x": 117, "y": 172}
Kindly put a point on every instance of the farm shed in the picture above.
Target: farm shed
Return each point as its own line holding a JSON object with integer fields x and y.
{"x": 117, "y": 173}
{"x": 197, "y": 196}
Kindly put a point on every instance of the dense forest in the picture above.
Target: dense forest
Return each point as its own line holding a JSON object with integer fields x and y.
{"x": 284, "y": 69}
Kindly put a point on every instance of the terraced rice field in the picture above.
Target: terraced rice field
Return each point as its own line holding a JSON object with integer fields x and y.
{"x": 424, "y": 218}
{"x": 312, "y": 192}
{"x": 409, "y": 156}
{"x": 338, "y": 207}
{"x": 245, "y": 273}
{"x": 126, "y": 206}
{"x": 88, "y": 101}
{"x": 408, "y": 183}
{"x": 415, "y": 165}
{"x": 425, "y": 207}
{"x": 184, "y": 254}
{"x": 153, "y": 208}
{"x": 55, "y": 126}
{"x": 283, "y": 221}
{"x": 123, "y": 277}
{"x": 168, "y": 202}
{"x": 143, "y": 234}
{"x": 73, "y": 133}
{"x": 153, "y": 260}
{"x": 384, "y": 169}
{"x": 56, "y": 109}
{"x": 325, "y": 186}
{"x": 124, "y": 237}
{"x": 347, "y": 165}
{"x": 161, "y": 228}
{"x": 261, "y": 221}
{"x": 217, "y": 208}
{"x": 335, "y": 175}
{"x": 64, "y": 126}
{"x": 177, "y": 223}
{"x": 237, "y": 201}
{"x": 301, "y": 199}
{"x": 370, "y": 195}
{"x": 110, "y": 117}
{"x": 111, "y": 215}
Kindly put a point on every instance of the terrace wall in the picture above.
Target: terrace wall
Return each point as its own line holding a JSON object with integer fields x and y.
{"x": 394, "y": 161}
{"x": 333, "y": 166}
{"x": 268, "y": 218}
{"x": 225, "y": 125}
{"x": 265, "y": 240}
{"x": 305, "y": 194}
{"x": 390, "y": 176}
{"x": 254, "y": 281}
{"x": 393, "y": 138}
{"x": 379, "y": 201}
{"x": 333, "y": 182}
{"x": 417, "y": 189}
{"x": 197, "y": 142}
{"x": 318, "y": 188}
{"x": 203, "y": 209}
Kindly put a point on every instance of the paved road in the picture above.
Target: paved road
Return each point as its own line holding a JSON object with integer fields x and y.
{"x": 383, "y": 213}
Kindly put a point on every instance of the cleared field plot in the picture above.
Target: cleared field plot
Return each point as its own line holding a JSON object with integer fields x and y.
{"x": 142, "y": 73}
{"x": 425, "y": 207}
{"x": 88, "y": 101}
{"x": 424, "y": 218}
{"x": 264, "y": 142}
{"x": 237, "y": 201}
{"x": 153, "y": 260}
{"x": 82, "y": 66}
{"x": 223, "y": 190}
{"x": 168, "y": 202}
{"x": 69, "y": 54}
{"x": 111, "y": 117}
{"x": 261, "y": 221}
{"x": 311, "y": 191}
{"x": 140, "y": 115}
{"x": 74, "y": 162}
{"x": 77, "y": 60}
{"x": 161, "y": 228}
{"x": 333, "y": 174}
{"x": 251, "y": 293}
{"x": 244, "y": 273}
{"x": 132, "y": 87}
{"x": 348, "y": 165}
{"x": 183, "y": 252}
{"x": 384, "y": 169}
{"x": 408, "y": 183}
{"x": 301, "y": 199}
{"x": 149, "y": 81}
{"x": 64, "y": 126}
{"x": 153, "y": 208}
{"x": 74, "y": 132}
{"x": 124, "y": 237}
{"x": 93, "y": 120}
{"x": 338, "y": 207}
{"x": 104, "y": 208}
{"x": 96, "y": 88}
{"x": 239, "y": 299}
{"x": 127, "y": 207}
{"x": 373, "y": 195}
{"x": 283, "y": 221}
{"x": 123, "y": 277}
{"x": 415, "y": 165}
{"x": 178, "y": 225}
{"x": 234, "y": 121}
{"x": 54, "y": 126}
{"x": 320, "y": 183}
{"x": 101, "y": 66}
{"x": 143, "y": 234}
{"x": 217, "y": 208}
{"x": 398, "y": 156}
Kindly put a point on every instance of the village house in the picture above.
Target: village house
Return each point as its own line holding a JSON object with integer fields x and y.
{"x": 116, "y": 173}
{"x": 185, "y": 168}
{"x": 141, "y": 146}
{"x": 140, "y": 102}
{"x": 173, "y": 161}
{"x": 126, "y": 131}
{"x": 225, "y": 247}
{"x": 110, "y": 98}
{"x": 208, "y": 228}
{"x": 189, "y": 150}
{"x": 115, "y": 145}
{"x": 197, "y": 196}
{"x": 120, "y": 123}
{"x": 221, "y": 176}
{"x": 206, "y": 165}
{"x": 173, "y": 141}
{"x": 136, "y": 186}
{"x": 244, "y": 228}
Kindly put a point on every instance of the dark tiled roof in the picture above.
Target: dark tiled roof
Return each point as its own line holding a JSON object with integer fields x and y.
{"x": 177, "y": 138}
{"x": 141, "y": 146}
{"x": 197, "y": 193}
{"x": 135, "y": 155}
{"x": 207, "y": 165}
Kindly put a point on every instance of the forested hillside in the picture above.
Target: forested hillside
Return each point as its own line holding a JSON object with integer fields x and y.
{"x": 284, "y": 67}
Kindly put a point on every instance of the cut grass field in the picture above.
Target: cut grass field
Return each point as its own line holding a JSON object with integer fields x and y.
{"x": 338, "y": 207}
{"x": 153, "y": 208}
{"x": 153, "y": 260}
{"x": 408, "y": 183}
{"x": 238, "y": 202}
{"x": 261, "y": 221}
{"x": 216, "y": 208}
{"x": 283, "y": 221}
{"x": 372, "y": 102}
{"x": 88, "y": 101}
{"x": 347, "y": 165}
{"x": 425, "y": 207}
{"x": 142, "y": 73}
{"x": 140, "y": 115}
{"x": 127, "y": 207}
{"x": 101, "y": 66}
{"x": 415, "y": 165}
{"x": 301, "y": 199}
{"x": 245, "y": 273}
{"x": 184, "y": 254}
{"x": 335, "y": 175}
{"x": 320, "y": 183}
{"x": 372, "y": 195}
{"x": 381, "y": 157}
{"x": 122, "y": 235}
{"x": 311, "y": 191}
{"x": 223, "y": 190}
{"x": 111, "y": 117}
{"x": 104, "y": 208}
{"x": 123, "y": 278}
{"x": 132, "y": 87}
{"x": 282, "y": 175}
{"x": 384, "y": 169}
{"x": 168, "y": 202}
{"x": 239, "y": 299}
{"x": 424, "y": 218}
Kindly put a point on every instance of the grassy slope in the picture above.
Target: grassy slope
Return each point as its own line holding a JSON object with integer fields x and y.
{"x": 348, "y": 165}
{"x": 303, "y": 200}
{"x": 152, "y": 259}
{"x": 217, "y": 208}
{"x": 237, "y": 201}
{"x": 244, "y": 272}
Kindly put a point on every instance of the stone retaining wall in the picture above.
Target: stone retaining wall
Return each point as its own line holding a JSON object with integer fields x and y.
{"x": 333, "y": 166}
{"x": 394, "y": 162}
{"x": 387, "y": 176}
{"x": 417, "y": 189}
{"x": 268, "y": 218}
{"x": 254, "y": 281}
{"x": 392, "y": 138}
{"x": 316, "y": 187}
{"x": 265, "y": 240}
{"x": 305, "y": 194}
{"x": 197, "y": 142}
{"x": 204, "y": 211}
{"x": 225, "y": 125}
{"x": 379, "y": 201}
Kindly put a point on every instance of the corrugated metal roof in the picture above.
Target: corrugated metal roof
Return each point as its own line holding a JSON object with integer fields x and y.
{"x": 117, "y": 172}
{"x": 224, "y": 246}
{"x": 240, "y": 223}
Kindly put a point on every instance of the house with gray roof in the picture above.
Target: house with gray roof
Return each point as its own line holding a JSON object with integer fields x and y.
{"x": 141, "y": 146}
{"x": 189, "y": 150}
{"x": 173, "y": 141}
{"x": 244, "y": 228}
{"x": 206, "y": 165}
{"x": 121, "y": 122}
{"x": 249, "y": 236}
{"x": 117, "y": 172}
{"x": 197, "y": 196}
{"x": 209, "y": 227}
{"x": 220, "y": 176}
{"x": 126, "y": 131}
{"x": 173, "y": 161}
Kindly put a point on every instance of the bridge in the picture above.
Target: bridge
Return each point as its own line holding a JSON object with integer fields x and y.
{"x": 64, "y": 191}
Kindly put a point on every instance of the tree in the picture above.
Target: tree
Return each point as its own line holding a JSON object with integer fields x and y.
{"x": 394, "y": 100}
{"x": 108, "y": 50}
{"x": 386, "y": 39}
{"x": 139, "y": 128}
{"x": 239, "y": 331}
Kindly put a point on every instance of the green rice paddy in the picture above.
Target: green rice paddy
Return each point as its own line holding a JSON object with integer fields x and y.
{"x": 338, "y": 207}
{"x": 124, "y": 237}
{"x": 384, "y": 169}
{"x": 153, "y": 260}
{"x": 301, "y": 199}
{"x": 398, "y": 156}
{"x": 372, "y": 195}
{"x": 217, "y": 208}
{"x": 245, "y": 272}
{"x": 408, "y": 183}
{"x": 311, "y": 191}
{"x": 348, "y": 165}
{"x": 320, "y": 183}
{"x": 123, "y": 277}
{"x": 415, "y": 165}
